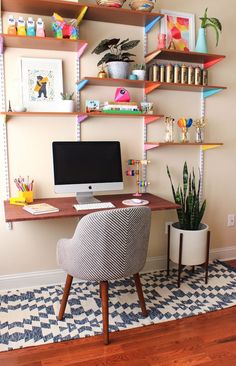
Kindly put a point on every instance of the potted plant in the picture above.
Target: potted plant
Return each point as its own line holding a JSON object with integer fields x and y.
{"x": 140, "y": 71}
{"x": 67, "y": 103}
{"x": 207, "y": 22}
{"x": 190, "y": 213}
{"x": 117, "y": 58}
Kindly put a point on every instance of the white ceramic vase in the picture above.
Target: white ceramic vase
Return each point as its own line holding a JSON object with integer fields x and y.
{"x": 118, "y": 69}
{"x": 194, "y": 245}
{"x": 65, "y": 106}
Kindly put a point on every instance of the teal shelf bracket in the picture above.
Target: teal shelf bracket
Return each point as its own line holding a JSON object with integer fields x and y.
{"x": 81, "y": 84}
{"x": 209, "y": 93}
{"x": 149, "y": 26}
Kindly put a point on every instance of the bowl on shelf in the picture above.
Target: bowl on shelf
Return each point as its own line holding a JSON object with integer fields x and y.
{"x": 142, "y": 5}
{"x": 111, "y": 3}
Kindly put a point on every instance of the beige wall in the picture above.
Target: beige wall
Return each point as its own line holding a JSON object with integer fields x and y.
{"x": 30, "y": 246}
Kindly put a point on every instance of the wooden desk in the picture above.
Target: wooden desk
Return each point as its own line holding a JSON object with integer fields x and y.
{"x": 15, "y": 213}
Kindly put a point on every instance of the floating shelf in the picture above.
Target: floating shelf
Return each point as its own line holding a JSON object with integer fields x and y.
{"x": 113, "y": 82}
{"x": 151, "y": 85}
{"x": 206, "y": 59}
{"x": 70, "y": 9}
{"x": 45, "y": 43}
{"x": 204, "y": 146}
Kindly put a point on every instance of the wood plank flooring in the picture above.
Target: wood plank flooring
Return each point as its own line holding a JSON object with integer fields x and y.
{"x": 208, "y": 339}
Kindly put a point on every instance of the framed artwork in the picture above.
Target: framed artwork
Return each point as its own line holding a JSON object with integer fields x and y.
{"x": 42, "y": 83}
{"x": 179, "y": 28}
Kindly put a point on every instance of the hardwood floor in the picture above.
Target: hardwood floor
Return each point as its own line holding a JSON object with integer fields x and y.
{"x": 208, "y": 339}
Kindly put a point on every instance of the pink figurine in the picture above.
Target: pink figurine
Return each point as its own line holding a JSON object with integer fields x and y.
{"x": 122, "y": 95}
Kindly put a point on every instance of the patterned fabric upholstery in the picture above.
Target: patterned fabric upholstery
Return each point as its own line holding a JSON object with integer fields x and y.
{"x": 107, "y": 244}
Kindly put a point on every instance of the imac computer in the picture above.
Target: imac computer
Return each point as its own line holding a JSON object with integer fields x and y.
{"x": 85, "y": 167}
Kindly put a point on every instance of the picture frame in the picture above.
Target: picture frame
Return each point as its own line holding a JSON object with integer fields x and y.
{"x": 179, "y": 27}
{"x": 42, "y": 83}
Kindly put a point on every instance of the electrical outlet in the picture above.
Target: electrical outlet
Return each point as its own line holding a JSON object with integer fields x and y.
{"x": 166, "y": 226}
{"x": 231, "y": 220}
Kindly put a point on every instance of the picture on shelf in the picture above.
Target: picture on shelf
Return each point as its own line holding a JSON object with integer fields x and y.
{"x": 179, "y": 29}
{"x": 42, "y": 83}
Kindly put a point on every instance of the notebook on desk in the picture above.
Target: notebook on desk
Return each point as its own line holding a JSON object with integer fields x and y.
{"x": 40, "y": 208}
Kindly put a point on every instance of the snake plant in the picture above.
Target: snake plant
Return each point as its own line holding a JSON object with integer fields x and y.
{"x": 188, "y": 197}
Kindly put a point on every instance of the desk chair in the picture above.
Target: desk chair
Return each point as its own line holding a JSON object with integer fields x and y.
{"x": 106, "y": 245}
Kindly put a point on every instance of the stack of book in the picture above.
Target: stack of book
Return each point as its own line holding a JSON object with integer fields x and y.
{"x": 121, "y": 107}
{"x": 40, "y": 208}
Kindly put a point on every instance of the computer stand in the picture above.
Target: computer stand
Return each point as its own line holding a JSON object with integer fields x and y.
{"x": 86, "y": 198}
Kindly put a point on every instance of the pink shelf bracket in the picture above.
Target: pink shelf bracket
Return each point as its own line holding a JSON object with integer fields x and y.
{"x": 81, "y": 118}
{"x": 150, "y": 146}
{"x": 81, "y": 50}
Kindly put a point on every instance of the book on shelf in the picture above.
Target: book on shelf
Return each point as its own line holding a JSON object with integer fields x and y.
{"x": 117, "y": 111}
{"x": 40, "y": 208}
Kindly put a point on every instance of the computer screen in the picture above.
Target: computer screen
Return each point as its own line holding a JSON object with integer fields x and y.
{"x": 84, "y": 167}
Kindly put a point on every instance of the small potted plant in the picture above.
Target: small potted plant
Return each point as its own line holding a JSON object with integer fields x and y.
{"x": 140, "y": 71}
{"x": 207, "y": 22}
{"x": 117, "y": 58}
{"x": 190, "y": 216}
{"x": 67, "y": 104}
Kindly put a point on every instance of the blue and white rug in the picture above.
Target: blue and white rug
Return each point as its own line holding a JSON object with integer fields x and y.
{"x": 29, "y": 317}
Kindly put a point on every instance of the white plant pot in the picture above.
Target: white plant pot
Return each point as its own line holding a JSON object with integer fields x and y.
{"x": 118, "y": 69}
{"x": 65, "y": 106}
{"x": 194, "y": 245}
{"x": 141, "y": 74}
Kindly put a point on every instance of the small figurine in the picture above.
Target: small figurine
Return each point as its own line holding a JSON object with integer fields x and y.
{"x": 30, "y": 29}
{"x": 11, "y": 25}
{"x": 169, "y": 124}
{"x": 199, "y": 125}
{"x": 61, "y": 29}
{"x": 40, "y": 32}
{"x": 122, "y": 95}
{"x": 21, "y": 31}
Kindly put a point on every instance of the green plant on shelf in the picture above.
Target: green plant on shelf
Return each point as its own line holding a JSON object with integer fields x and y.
{"x": 139, "y": 67}
{"x": 67, "y": 96}
{"x": 214, "y": 23}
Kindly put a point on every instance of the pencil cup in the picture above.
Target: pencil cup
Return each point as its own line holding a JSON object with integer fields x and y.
{"x": 28, "y": 195}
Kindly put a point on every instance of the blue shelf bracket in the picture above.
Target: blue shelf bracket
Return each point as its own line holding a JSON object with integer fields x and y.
{"x": 81, "y": 84}
{"x": 149, "y": 26}
{"x": 209, "y": 93}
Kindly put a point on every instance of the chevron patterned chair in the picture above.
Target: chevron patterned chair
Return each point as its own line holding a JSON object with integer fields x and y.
{"x": 106, "y": 245}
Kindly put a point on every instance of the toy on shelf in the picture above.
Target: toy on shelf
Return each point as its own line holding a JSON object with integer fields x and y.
{"x": 184, "y": 124}
{"x": 137, "y": 172}
{"x": 30, "y": 27}
{"x": 199, "y": 125}
{"x": 169, "y": 133}
{"x": 62, "y": 29}
{"x": 11, "y": 25}
{"x": 40, "y": 32}
{"x": 92, "y": 105}
{"x": 122, "y": 95}
{"x": 21, "y": 31}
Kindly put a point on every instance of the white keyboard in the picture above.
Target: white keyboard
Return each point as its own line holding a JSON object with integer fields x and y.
{"x": 93, "y": 206}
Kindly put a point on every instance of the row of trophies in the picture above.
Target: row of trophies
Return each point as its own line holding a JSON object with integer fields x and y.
{"x": 184, "y": 124}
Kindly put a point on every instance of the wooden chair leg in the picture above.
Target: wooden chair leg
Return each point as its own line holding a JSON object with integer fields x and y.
{"x": 105, "y": 315}
{"x": 140, "y": 294}
{"x": 66, "y": 292}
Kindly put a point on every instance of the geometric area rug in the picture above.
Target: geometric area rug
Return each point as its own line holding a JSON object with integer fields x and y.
{"x": 28, "y": 317}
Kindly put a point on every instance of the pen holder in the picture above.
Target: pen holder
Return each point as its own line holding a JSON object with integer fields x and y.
{"x": 28, "y": 195}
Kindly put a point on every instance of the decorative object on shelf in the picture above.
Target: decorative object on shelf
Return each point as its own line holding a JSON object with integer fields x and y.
{"x": 9, "y": 106}
{"x": 117, "y": 59}
{"x": 67, "y": 103}
{"x": 11, "y": 25}
{"x": 137, "y": 172}
{"x": 21, "y": 31}
{"x": 161, "y": 44}
{"x": 179, "y": 27}
{"x": 62, "y": 29}
{"x": 206, "y": 22}
{"x": 40, "y": 32}
{"x": 199, "y": 125}
{"x": 169, "y": 129}
{"x": 42, "y": 84}
{"x": 19, "y": 108}
{"x": 140, "y": 71}
{"x": 92, "y": 105}
{"x": 146, "y": 107}
{"x": 111, "y": 3}
{"x": 142, "y": 5}
{"x": 184, "y": 124}
{"x": 102, "y": 73}
{"x": 25, "y": 188}
{"x": 133, "y": 77}
{"x": 122, "y": 95}
{"x": 171, "y": 45}
{"x": 30, "y": 27}
{"x": 188, "y": 238}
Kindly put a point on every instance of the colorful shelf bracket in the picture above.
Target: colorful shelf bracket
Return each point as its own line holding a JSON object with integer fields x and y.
{"x": 150, "y": 119}
{"x": 150, "y": 86}
{"x": 151, "y": 56}
{"x": 81, "y": 118}
{"x": 150, "y": 146}
{"x": 208, "y": 147}
{"x": 149, "y": 26}
{"x": 81, "y": 84}
{"x": 81, "y": 50}
{"x": 210, "y": 92}
{"x": 209, "y": 64}
{"x": 1, "y": 45}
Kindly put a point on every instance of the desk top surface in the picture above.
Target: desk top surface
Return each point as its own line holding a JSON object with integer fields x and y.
{"x": 15, "y": 213}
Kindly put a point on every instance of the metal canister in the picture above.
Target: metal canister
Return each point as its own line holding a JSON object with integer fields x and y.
{"x": 169, "y": 73}
{"x": 197, "y": 76}
{"x": 190, "y": 75}
{"x": 204, "y": 77}
{"x": 162, "y": 73}
{"x": 184, "y": 74}
{"x": 155, "y": 73}
{"x": 150, "y": 73}
{"x": 176, "y": 74}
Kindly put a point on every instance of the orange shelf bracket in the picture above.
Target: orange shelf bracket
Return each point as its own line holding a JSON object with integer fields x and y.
{"x": 209, "y": 64}
{"x": 150, "y": 119}
{"x": 151, "y": 56}
{"x": 150, "y": 86}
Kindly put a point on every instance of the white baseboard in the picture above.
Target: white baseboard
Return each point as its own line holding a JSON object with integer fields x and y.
{"x": 50, "y": 277}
